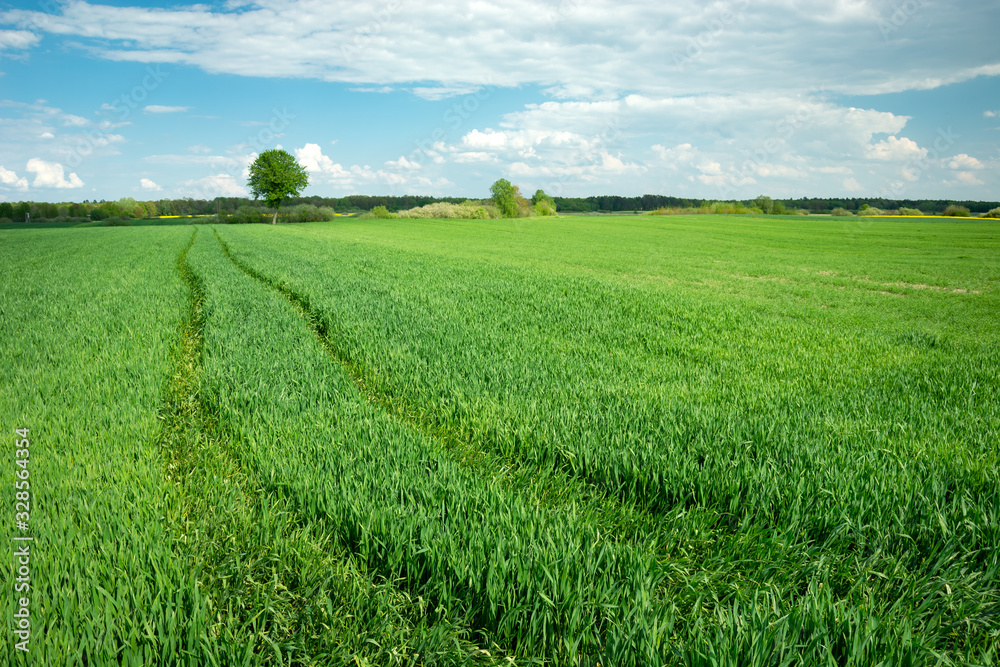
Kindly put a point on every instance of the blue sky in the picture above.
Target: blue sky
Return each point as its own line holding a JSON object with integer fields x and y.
{"x": 716, "y": 100}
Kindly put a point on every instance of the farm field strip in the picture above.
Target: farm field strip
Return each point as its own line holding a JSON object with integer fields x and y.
{"x": 811, "y": 428}
{"x": 544, "y": 486}
{"x": 615, "y": 442}
{"x": 468, "y": 544}
{"x": 280, "y": 591}
{"x": 697, "y": 578}
{"x": 86, "y": 348}
{"x": 892, "y": 461}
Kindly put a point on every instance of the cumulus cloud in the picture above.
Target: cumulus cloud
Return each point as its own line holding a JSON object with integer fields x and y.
{"x": 147, "y": 184}
{"x": 736, "y": 144}
{"x": 963, "y": 161}
{"x": 968, "y": 178}
{"x": 402, "y": 163}
{"x": 896, "y": 149}
{"x": 51, "y": 175}
{"x": 402, "y": 174}
{"x": 311, "y": 157}
{"x": 9, "y": 179}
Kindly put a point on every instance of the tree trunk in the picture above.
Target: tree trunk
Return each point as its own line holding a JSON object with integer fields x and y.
{"x": 274, "y": 220}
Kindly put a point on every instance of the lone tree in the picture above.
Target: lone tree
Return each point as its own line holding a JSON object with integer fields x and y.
{"x": 505, "y": 197}
{"x": 275, "y": 175}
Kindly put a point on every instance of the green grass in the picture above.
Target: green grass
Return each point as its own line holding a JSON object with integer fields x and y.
{"x": 628, "y": 441}
{"x": 87, "y": 324}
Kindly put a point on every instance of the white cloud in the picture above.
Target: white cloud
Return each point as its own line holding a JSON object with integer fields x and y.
{"x": 147, "y": 184}
{"x": 852, "y": 185}
{"x": 443, "y": 92}
{"x": 381, "y": 90}
{"x": 968, "y": 178}
{"x": 158, "y": 108}
{"x": 46, "y": 135}
{"x": 17, "y": 39}
{"x": 74, "y": 121}
{"x": 963, "y": 161}
{"x": 51, "y": 175}
{"x": 738, "y": 145}
{"x": 673, "y": 157}
{"x": 403, "y": 174}
{"x": 10, "y": 179}
{"x": 403, "y": 163}
{"x": 896, "y": 149}
{"x": 991, "y": 114}
{"x": 579, "y": 49}
{"x": 312, "y": 159}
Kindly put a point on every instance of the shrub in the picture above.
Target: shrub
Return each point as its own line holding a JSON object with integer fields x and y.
{"x": 383, "y": 213}
{"x": 993, "y": 213}
{"x": 911, "y": 211}
{"x": 472, "y": 210}
{"x": 116, "y": 221}
{"x": 544, "y": 208}
{"x": 870, "y": 210}
{"x": 708, "y": 208}
{"x": 245, "y": 215}
{"x": 957, "y": 211}
{"x": 5, "y": 221}
{"x": 309, "y": 213}
{"x": 840, "y": 212}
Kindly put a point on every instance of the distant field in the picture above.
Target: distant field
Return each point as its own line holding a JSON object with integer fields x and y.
{"x": 633, "y": 440}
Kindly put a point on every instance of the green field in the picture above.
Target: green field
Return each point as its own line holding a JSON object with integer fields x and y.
{"x": 677, "y": 440}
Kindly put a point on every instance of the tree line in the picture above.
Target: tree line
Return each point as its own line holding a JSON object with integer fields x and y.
{"x": 128, "y": 207}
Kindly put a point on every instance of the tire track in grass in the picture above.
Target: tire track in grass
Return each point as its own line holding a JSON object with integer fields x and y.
{"x": 278, "y": 591}
{"x": 679, "y": 541}
{"x": 731, "y": 586}
{"x": 533, "y": 574}
{"x": 619, "y": 519}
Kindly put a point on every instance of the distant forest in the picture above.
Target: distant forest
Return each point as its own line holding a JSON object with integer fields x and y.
{"x": 131, "y": 208}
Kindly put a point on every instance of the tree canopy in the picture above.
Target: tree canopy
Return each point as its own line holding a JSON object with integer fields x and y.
{"x": 505, "y": 197}
{"x": 274, "y": 176}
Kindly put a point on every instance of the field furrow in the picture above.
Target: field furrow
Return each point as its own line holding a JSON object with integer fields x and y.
{"x": 280, "y": 591}
{"x": 804, "y": 459}
{"x": 618, "y": 441}
{"x": 540, "y": 582}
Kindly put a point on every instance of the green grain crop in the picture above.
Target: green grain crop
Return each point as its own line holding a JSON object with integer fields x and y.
{"x": 817, "y": 402}
{"x": 619, "y": 441}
